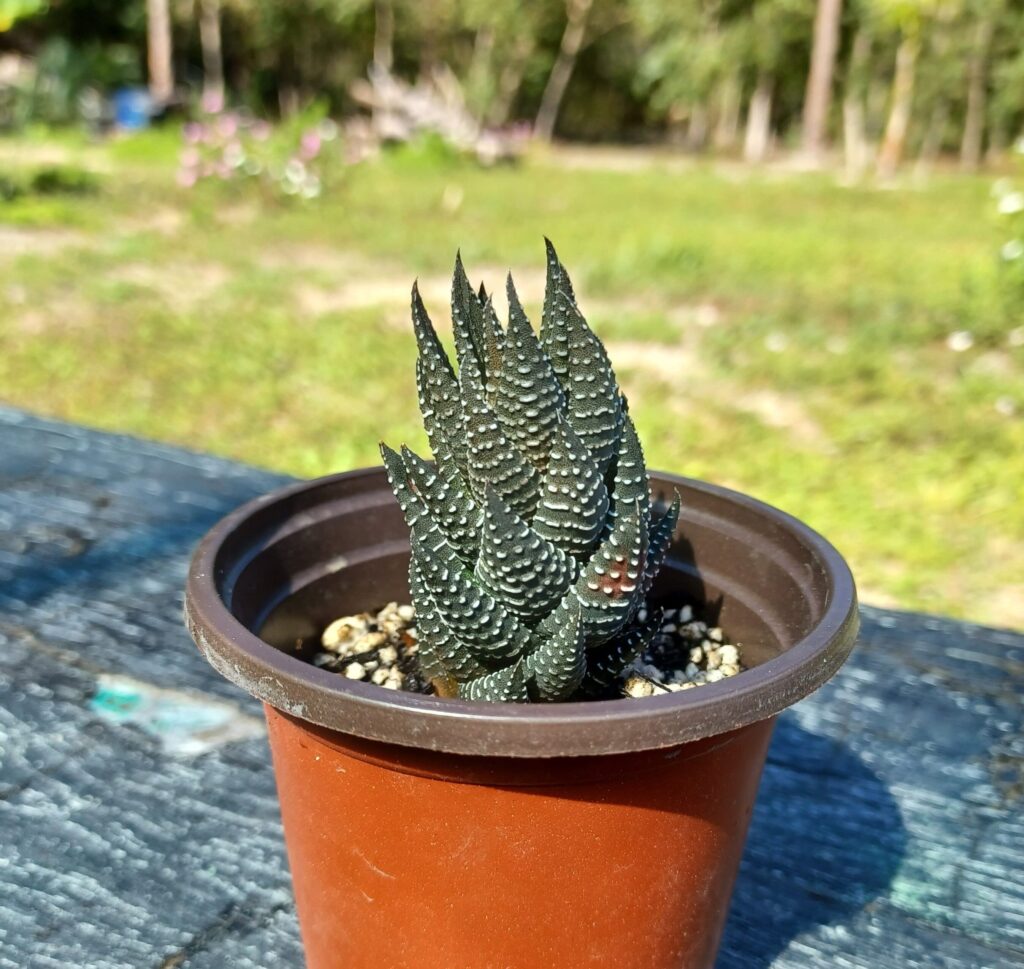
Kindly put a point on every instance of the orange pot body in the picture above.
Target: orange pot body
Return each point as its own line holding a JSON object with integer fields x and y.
{"x": 411, "y": 859}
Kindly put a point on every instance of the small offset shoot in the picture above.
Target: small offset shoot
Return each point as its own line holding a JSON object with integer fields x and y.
{"x": 534, "y": 542}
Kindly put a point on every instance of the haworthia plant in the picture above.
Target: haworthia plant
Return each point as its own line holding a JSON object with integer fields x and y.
{"x": 533, "y": 545}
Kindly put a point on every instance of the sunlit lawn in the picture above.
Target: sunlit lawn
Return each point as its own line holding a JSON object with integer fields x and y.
{"x": 778, "y": 333}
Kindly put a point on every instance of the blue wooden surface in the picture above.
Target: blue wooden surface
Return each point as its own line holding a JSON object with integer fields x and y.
{"x": 888, "y": 832}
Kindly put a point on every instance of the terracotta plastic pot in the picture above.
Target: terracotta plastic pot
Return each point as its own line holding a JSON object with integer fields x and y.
{"x": 440, "y": 834}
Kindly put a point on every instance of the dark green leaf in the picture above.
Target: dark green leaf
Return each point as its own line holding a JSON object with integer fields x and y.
{"x": 448, "y": 502}
{"x": 507, "y": 685}
{"x": 524, "y": 571}
{"x": 529, "y": 397}
{"x": 558, "y": 661}
{"x": 474, "y": 617}
{"x": 438, "y": 390}
{"x": 573, "y": 507}
{"x": 493, "y": 460}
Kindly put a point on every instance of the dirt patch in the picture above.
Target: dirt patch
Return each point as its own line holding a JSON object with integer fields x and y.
{"x": 679, "y": 316}
{"x": 15, "y": 241}
{"x": 677, "y": 365}
{"x": 364, "y": 285}
{"x": 299, "y": 257}
{"x": 164, "y": 221}
{"x": 680, "y": 367}
{"x": 61, "y": 313}
{"x": 783, "y": 413}
{"x": 618, "y": 158}
{"x": 368, "y": 292}
{"x": 181, "y": 285}
{"x": 873, "y": 596}
{"x": 1005, "y": 607}
{"x": 243, "y": 213}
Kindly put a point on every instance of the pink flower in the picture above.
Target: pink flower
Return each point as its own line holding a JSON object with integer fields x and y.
{"x": 193, "y": 132}
{"x": 212, "y": 102}
{"x": 309, "y": 146}
{"x": 190, "y": 158}
{"x": 227, "y": 125}
{"x": 261, "y": 130}
{"x": 187, "y": 177}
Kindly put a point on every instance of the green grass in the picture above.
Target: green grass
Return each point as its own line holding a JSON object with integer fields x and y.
{"x": 778, "y": 333}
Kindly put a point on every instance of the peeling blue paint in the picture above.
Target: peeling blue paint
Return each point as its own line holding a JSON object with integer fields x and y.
{"x": 185, "y": 725}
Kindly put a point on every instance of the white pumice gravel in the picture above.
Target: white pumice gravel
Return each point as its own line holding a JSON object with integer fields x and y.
{"x": 376, "y": 647}
{"x": 380, "y": 648}
{"x": 685, "y": 653}
{"x": 355, "y": 671}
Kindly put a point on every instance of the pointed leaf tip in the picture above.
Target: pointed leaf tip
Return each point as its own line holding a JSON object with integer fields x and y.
{"x": 558, "y": 661}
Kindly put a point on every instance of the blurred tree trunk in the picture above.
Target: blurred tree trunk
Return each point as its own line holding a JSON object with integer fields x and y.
{"x": 510, "y": 80}
{"x": 432, "y": 39}
{"x": 937, "y": 51}
{"x": 697, "y": 127}
{"x": 383, "y": 35}
{"x": 998, "y": 139}
{"x": 288, "y": 100}
{"x": 213, "y": 52}
{"x": 855, "y": 143}
{"x": 931, "y": 144}
{"x": 818, "y": 94}
{"x": 577, "y": 15}
{"x": 895, "y": 138}
{"x": 759, "y": 120}
{"x": 727, "y": 124}
{"x": 160, "y": 51}
{"x": 478, "y": 93}
{"x": 977, "y": 82}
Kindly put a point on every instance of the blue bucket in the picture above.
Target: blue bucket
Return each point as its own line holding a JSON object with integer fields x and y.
{"x": 132, "y": 108}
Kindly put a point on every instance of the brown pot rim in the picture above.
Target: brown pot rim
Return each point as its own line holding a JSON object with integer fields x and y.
{"x": 513, "y": 730}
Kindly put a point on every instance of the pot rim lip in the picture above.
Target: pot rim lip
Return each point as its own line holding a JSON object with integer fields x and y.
{"x": 576, "y": 728}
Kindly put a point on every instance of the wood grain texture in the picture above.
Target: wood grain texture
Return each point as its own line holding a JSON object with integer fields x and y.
{"x": 888, "y": 832}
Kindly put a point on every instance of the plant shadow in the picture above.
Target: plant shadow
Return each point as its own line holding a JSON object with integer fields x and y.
{"x": 826, "y": 839}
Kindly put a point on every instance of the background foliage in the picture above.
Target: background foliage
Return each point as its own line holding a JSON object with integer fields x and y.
{"x": 839, "y": 334}
{"x": 644, "y": 69}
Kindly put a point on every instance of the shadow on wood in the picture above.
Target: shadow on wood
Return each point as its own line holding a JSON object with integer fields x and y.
{"x": 826, "y": 839}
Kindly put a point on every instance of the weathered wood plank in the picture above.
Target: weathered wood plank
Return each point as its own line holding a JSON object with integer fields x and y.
{"x": 888, "y": 832}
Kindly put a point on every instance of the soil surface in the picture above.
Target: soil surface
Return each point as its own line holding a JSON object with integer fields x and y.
{"x": 381, "y": 647}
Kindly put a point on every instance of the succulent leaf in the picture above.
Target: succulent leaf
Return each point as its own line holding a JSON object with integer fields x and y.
{"x": 630, "y": 484}
{"x": 609, "y": 585}
{"x": 662, "y": 532}
{"x": 532, "y": 543}
{"x": 554, "y": 325}
{"x": 481, "y": 623}
{"x": 572, "y": 511}
{"x": 606, "y": 662}
{"x": 529, "y": 398}
{"x": 516, "y": 565}
{"x": 494, "y": 346}
{"x": 448, "y": 502}
{"x": 594, "y": 402}
{"x": 559, "y": 661}
{"x": 441, "y": 655}
{"x": 398, "y": 477}
{"x": 493, "y": 460}
{"x": 467, "y": 323}
{"x": 438, "y": 390}
{"x": 506, "y": 685}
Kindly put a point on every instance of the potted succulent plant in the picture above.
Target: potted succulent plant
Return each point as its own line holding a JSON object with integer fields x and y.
{"x": 521, "y": 813}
